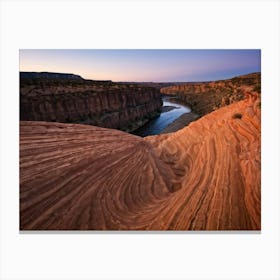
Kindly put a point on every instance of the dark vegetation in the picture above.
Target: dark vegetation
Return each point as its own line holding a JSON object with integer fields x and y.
{"x": 237, "y": 116}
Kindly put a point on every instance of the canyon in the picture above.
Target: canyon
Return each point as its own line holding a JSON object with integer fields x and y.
{"x": 205, "y": 97}
{"x": 205, "y": 176}
{"x": 68, "y": 98}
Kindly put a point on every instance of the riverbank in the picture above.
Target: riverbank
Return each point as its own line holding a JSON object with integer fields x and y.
{"x": 181, "y": 122}
{"x": 170, "y": 111}
{"x": 165, "y": 109}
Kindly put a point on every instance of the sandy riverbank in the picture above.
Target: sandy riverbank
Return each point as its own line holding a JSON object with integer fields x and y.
{"x": 165, "y": 109}
{"x": 181, "y": 122}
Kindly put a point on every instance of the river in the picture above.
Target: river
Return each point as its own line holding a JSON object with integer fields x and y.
{"x": 156, "y": 125}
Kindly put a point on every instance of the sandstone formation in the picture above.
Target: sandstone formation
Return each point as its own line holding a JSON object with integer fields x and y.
{"x": 105, "y": 104}
{"x": 205, "y": 97}
{"x": 203, "y": 177}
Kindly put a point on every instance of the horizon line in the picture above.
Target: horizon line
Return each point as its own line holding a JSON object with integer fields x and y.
{"x": 204, "y": 81}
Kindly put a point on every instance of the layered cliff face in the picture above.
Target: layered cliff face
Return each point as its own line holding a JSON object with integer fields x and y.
{"x": 206, "y": 97}
{"x": 203, "y": 177}
{"x": 104, "y": 104}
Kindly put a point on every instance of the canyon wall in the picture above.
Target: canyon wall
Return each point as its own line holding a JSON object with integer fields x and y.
{"x": 205, "y": 97}
{"x": 104, "y": 104}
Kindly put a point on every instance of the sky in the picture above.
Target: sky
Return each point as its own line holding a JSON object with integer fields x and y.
{"x": 144, "y": 65}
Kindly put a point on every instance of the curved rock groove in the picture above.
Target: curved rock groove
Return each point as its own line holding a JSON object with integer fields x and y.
{"x": 203, "y": 177}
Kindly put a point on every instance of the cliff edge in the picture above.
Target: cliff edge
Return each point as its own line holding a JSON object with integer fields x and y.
{"x": 205, "y": 97}
{"x": 68, "y": 98}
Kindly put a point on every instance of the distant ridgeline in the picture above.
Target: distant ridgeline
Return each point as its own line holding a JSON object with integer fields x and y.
{"x": 48, "y": 75}
{"x": 68, "y": 98}
{"x": 37, "y": 77}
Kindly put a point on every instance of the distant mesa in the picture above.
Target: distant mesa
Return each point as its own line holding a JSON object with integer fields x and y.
{"x": 57, "y": 76}
{"x": 49, "y": 75}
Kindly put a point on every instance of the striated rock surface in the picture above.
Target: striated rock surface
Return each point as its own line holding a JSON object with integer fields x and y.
{"x": 74, "y": 100}
{"x": 203, "y": 177}
{"x": 206, "y": 97}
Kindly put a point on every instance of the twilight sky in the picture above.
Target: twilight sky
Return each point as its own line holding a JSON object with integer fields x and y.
{"x": 144, "y": 65}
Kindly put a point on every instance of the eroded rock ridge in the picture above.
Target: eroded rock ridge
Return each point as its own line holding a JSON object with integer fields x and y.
{"x": 205, "y": 176}
{"x": 205, "y": 97}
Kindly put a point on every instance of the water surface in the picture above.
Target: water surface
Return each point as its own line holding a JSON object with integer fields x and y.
{"x": 156, "y": 125}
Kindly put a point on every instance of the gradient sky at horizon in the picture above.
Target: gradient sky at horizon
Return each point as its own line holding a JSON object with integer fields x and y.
{"x": 143, "y": 65}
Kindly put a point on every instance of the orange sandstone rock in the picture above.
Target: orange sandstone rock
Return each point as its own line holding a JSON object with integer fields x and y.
{"x": 205, "y": 176}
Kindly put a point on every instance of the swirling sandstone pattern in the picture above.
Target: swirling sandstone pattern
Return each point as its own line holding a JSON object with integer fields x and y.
{"x": 203, "y": 177}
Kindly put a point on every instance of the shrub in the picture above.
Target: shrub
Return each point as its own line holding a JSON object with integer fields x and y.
{"x": 237, "y": 116}
{"x": 257, "y": 88}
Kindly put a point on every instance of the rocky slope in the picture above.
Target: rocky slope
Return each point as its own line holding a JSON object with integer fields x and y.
{"x": 203, "y": 177}
{"x": 206, "y": 97}
{"x": 72, "y": 100}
